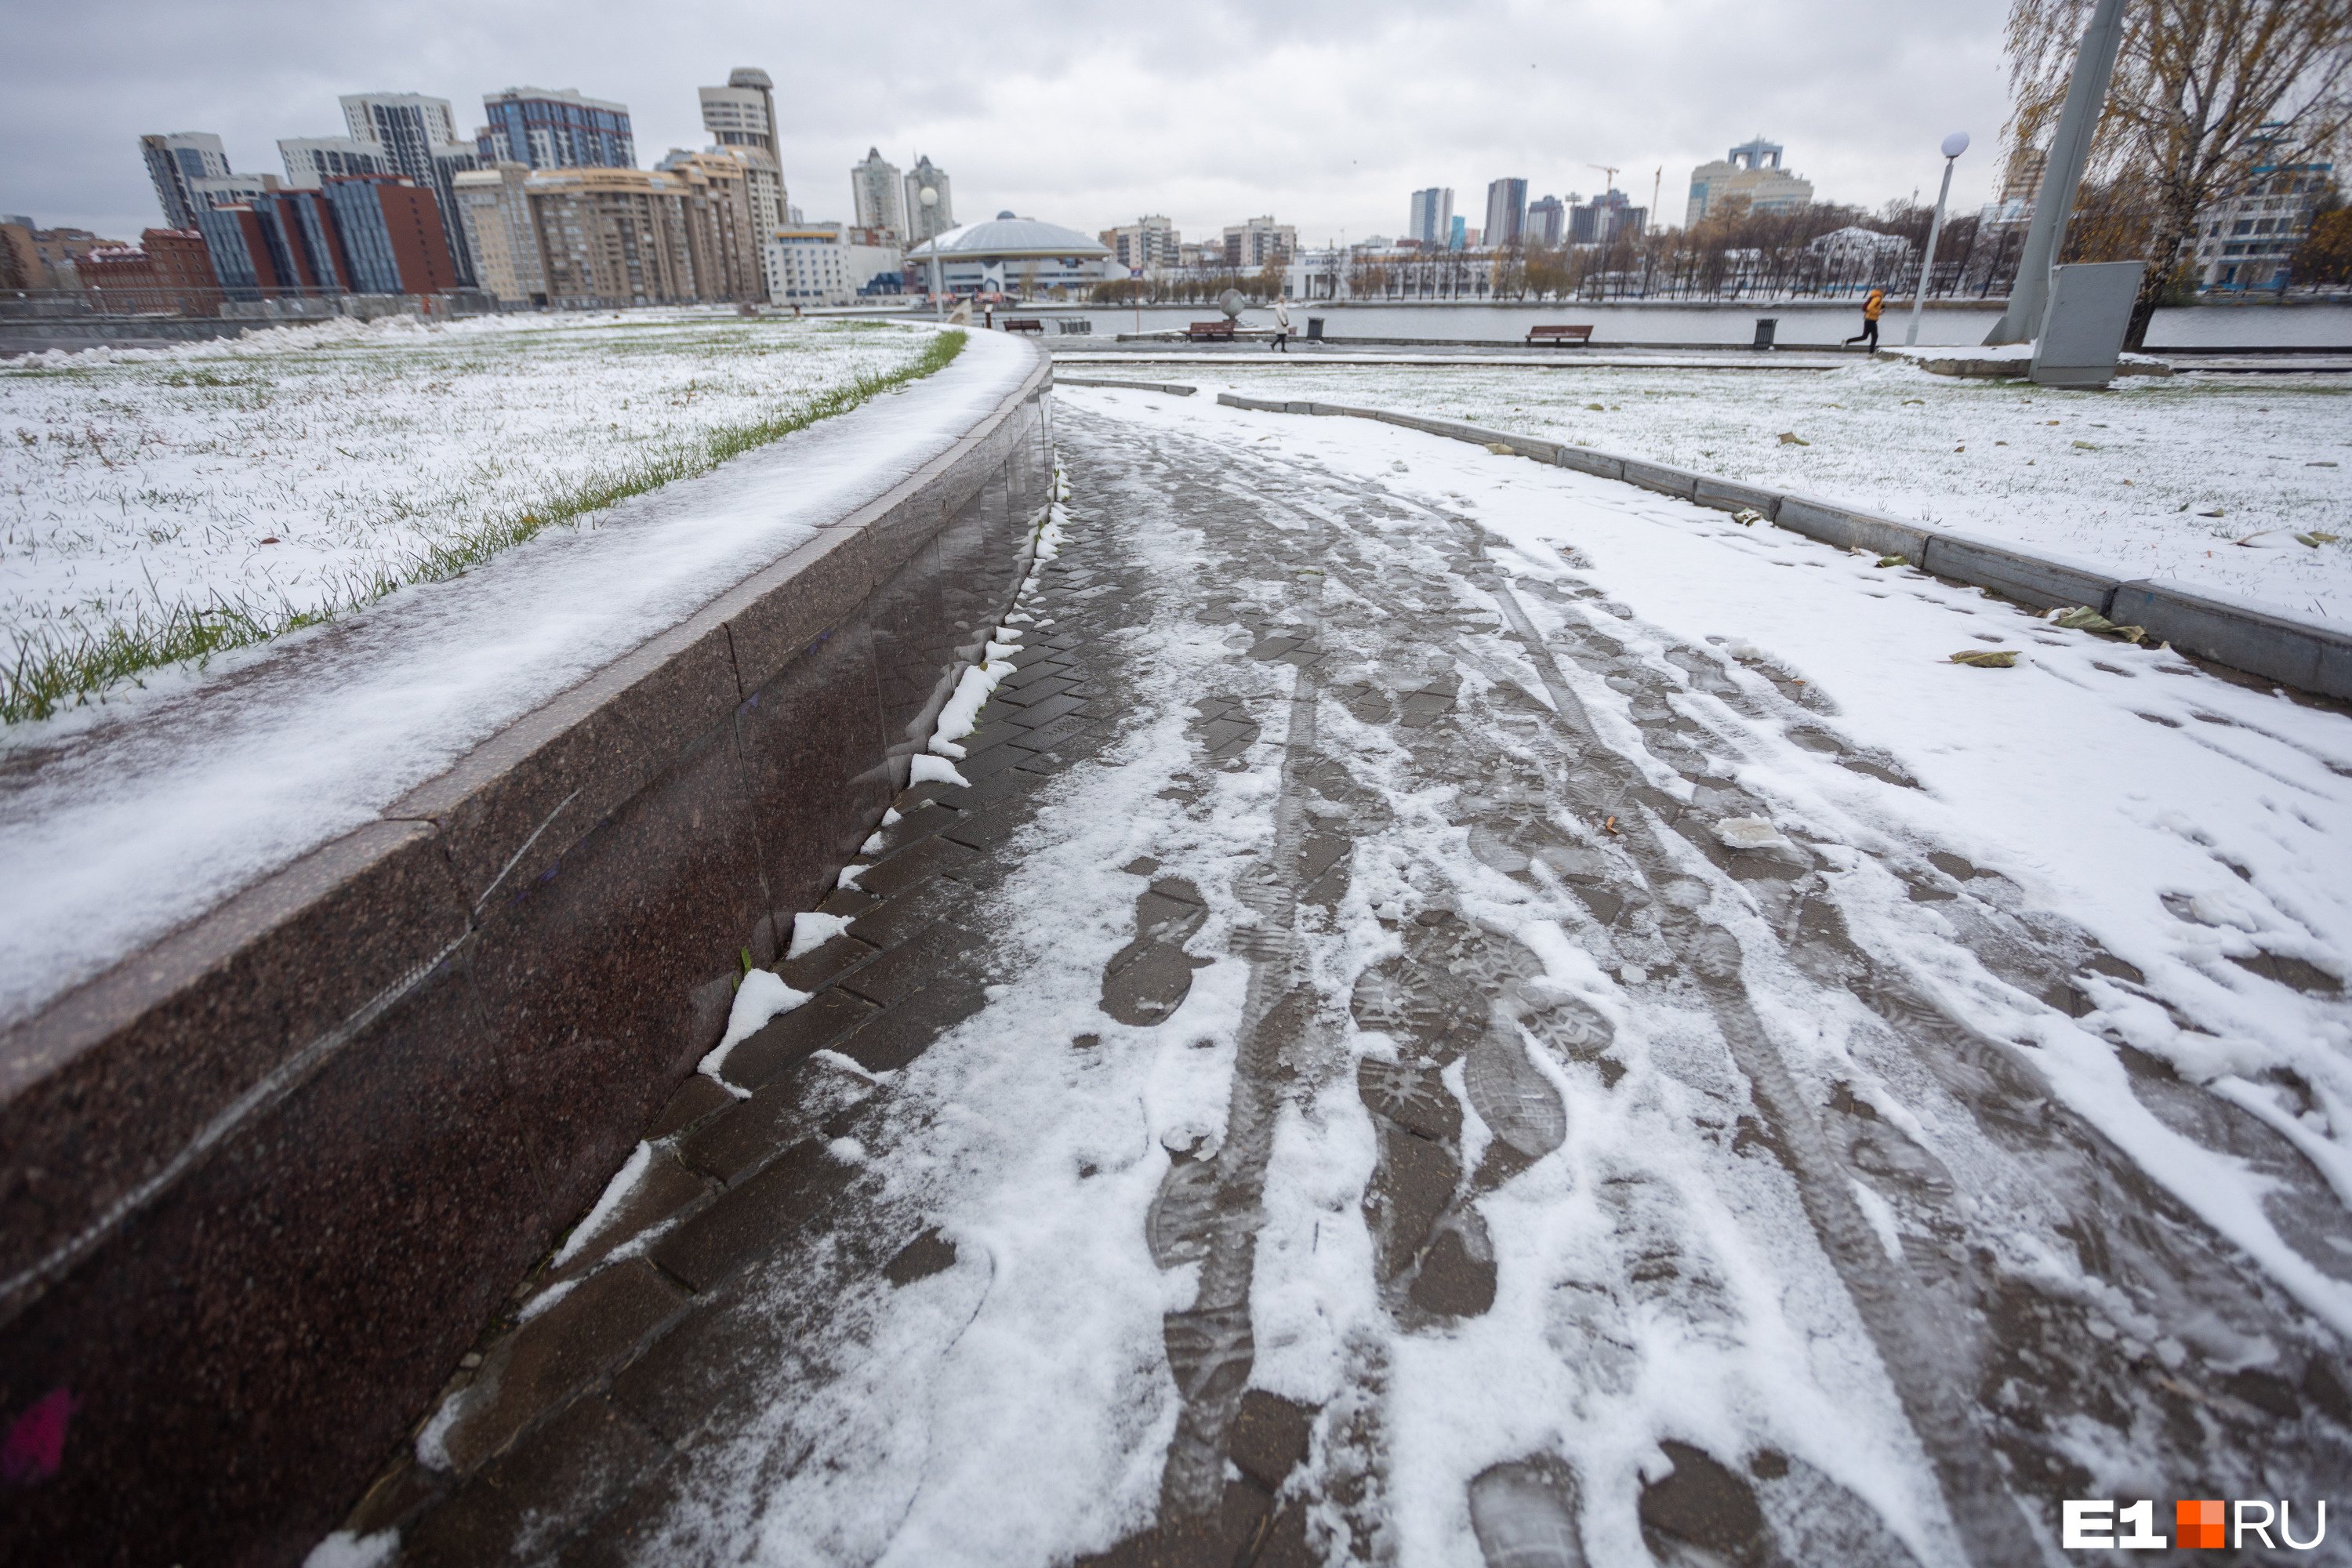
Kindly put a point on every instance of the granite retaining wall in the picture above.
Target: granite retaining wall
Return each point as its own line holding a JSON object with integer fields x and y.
{"x": 2241, "y": 634}
{"x": 263, "y": 1184}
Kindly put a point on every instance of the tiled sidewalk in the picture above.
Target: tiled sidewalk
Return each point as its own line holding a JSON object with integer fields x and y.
{"x": 602, "y": 1373}
{"x": 1545, "y": 1124}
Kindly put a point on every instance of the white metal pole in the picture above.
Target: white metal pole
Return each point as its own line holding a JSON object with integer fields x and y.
{"x": 2070, "y": 149}
{"x": 1927, "y": 262}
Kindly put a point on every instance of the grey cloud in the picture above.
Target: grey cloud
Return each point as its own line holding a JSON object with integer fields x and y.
{"x": 1323, "y": 112}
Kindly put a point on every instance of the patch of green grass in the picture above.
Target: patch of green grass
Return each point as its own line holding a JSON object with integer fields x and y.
{"x": 54, "y": 668}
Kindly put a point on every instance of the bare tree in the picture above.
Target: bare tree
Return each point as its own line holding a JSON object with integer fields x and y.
{"x": 2205, "y": 92}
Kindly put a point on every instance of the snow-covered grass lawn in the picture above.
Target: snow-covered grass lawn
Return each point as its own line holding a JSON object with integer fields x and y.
{"x": 162, "y": 505}
{"x": 2159, "y": 477}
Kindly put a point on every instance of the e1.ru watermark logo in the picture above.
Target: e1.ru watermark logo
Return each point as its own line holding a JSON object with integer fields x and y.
{"x": 2095, "y": 1523}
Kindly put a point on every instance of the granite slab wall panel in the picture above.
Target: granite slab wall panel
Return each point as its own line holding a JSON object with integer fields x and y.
{"x": 1728, "y": 495}
{"x": 120, "y": 1083}
{"x": 261, "y": 1181}
{"x": 2307, "y": 655}
{"x": 2045, "y": 582}
{"x": 2239, "y": 633}
{"x": 815, "y": 760}
{"x": 1851, "y": 530}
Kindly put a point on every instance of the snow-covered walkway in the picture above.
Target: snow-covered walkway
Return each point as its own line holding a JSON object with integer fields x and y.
{"x": 2157, "y": 478}
{"x": 1464, "y": 1014}
{"x": 121, "y": 822}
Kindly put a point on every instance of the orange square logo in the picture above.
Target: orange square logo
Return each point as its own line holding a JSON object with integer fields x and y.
{"x": 2197, "y": 1523}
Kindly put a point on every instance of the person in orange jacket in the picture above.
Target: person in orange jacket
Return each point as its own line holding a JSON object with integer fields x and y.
{"x": 1871, "y": 310}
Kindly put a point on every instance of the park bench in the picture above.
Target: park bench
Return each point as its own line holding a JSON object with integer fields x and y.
{"x": 1559, "y": 335}
{"x": 1201, "y": 330}
{"x": 1026, "y": 324}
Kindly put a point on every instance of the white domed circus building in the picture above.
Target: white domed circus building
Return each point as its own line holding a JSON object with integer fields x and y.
{"x": 1009, "y": 255}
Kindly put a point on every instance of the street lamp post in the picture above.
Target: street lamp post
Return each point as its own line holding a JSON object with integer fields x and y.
{"x": 1954, "y": 145}
{"x": 930, "y": 197}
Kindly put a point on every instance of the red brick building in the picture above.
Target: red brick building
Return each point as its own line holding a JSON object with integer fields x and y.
{"x": 169, "y": 272}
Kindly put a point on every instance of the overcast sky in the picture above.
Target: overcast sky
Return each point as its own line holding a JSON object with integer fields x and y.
{"x": 1326, "y": 113}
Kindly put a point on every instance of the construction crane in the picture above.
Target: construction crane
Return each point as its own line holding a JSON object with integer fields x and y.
{"x": 1608, "y": 171}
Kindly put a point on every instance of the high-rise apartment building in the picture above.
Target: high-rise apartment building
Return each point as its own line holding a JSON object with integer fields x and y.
{"x": 610, "y": 236}
{"x": 1148, "y": 242}
{"x": 311, "y": 161}
{"x": 403, "y": 126}
{"x": 1433, "y": 216}
{"x": 1260, "y": 242}
{"x": 1547, "y": 221}
{"x": 743, "y": 112}
{"x": 734, "y": 269}
{"x": 925, "y": 222}
{"x": 1606, "y": 218}
{"x": 417, "y": 136}
{"x": 876, "y": 196}
{"x": 558, "y": 128}
{"x": 742, "y": 119}
{"x": 366, "y": 233}
{"x": 394, "y": 239}
{"x": 1506, "y": 211}
{"x": 223, "y": 190}
{"x": 494, "y": 211}
{"x": 1751, "y": 169}
{"x": 175, "y": 159}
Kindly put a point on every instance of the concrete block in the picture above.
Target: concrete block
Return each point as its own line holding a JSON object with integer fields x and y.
{"x": 2241, "y": 634}
{"x": 1662, "y": 478}
{"x": 2045, "y": 582}
{"x": 1728, "y": 495}
{"x": 1851, "y": 530}
{"x": 1585, "y": 460}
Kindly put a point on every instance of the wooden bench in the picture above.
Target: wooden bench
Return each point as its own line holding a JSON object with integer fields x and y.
{"x": 1559, "y": 335}
{"x": 1201, "y": 330}
{"x": 1025, "y": 325}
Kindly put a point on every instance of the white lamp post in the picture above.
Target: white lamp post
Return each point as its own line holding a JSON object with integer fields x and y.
{"x": 1954, "y": 145}
{"x": 930, "y": 200}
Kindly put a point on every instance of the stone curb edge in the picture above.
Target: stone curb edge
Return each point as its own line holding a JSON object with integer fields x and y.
{"x": 1171, "y": 388}
{"x": 2240, "y": 632}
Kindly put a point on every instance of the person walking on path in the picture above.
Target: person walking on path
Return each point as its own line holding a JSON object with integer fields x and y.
{"x": 1871, "y": 310}
{"x": 1281, "y": 327}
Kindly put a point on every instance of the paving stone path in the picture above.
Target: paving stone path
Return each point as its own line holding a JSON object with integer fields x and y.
{"x": 1325, "y": 903}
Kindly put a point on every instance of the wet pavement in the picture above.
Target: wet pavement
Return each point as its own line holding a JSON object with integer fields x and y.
{"x": 1345, "y": 1077}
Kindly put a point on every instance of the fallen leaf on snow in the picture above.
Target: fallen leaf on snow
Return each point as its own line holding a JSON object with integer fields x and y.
{"x": 1985, "y": 658}
{"x": 2083, "y": 618}
{"x": 1791, "y": 438}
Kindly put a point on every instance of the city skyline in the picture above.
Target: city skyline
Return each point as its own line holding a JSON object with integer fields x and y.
{"x": 1330, "y": 119}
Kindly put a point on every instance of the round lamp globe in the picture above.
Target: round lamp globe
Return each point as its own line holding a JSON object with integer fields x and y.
{"x": 1955, "y": 143}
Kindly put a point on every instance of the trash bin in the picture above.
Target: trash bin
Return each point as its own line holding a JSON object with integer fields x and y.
{"x": 1765, "y": 326}
{"x": 1314, "y": 329}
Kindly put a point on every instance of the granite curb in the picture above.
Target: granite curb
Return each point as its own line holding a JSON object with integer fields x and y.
{"x": 257, "y": 1178}
{"x": 1171, "y": 388}
{"x": 2244, "y": 635}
